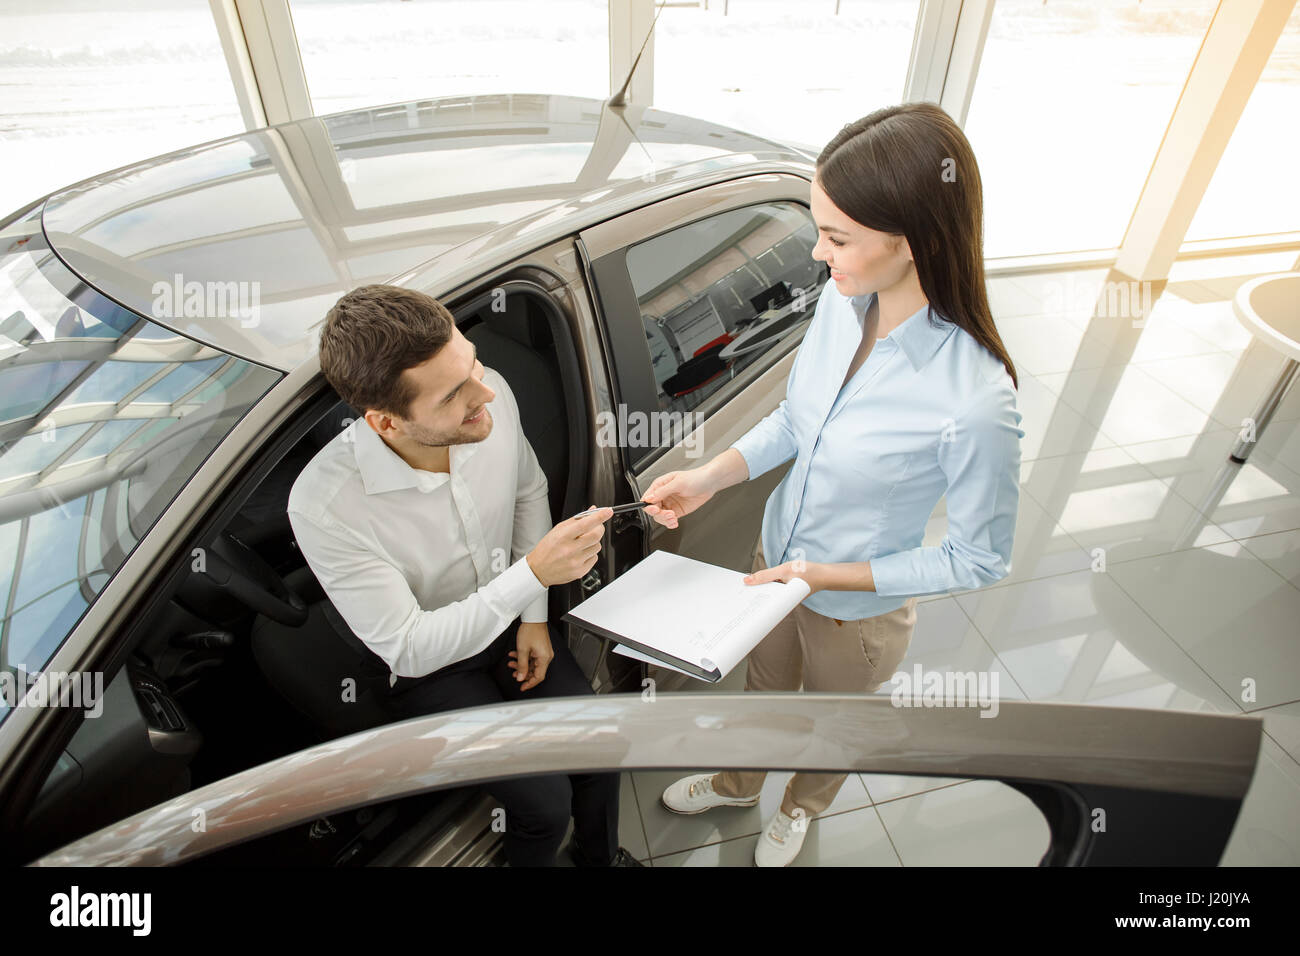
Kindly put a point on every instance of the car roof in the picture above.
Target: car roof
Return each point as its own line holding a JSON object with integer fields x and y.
{"x": 245, "y": 242}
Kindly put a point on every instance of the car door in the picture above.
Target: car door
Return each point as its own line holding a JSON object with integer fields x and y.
{"x": 1113, "y": 785}
{"x": 704, "y": 298}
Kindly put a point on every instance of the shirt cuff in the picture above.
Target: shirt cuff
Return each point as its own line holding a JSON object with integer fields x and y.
{"x": 516, "y": 588}
{"x": 536, "y": 611}
{"x": 896, "y": 575}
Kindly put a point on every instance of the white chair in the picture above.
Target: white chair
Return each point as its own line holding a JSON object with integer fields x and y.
{"x": 1269, "y": 307}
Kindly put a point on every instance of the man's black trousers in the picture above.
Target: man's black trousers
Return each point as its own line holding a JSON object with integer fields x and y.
{"x": 537, "y": 808}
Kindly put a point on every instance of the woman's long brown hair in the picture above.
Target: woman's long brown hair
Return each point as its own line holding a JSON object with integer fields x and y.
{"x": 909, "y": 170}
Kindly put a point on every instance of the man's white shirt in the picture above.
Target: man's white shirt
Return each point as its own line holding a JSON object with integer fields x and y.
{"x": 426, "y": 568}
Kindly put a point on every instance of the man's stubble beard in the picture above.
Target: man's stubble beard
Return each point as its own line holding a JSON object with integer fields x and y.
{"x": 430, "y": 439}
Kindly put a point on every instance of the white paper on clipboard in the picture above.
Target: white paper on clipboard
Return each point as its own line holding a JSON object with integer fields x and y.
{"x": 696, "y": 613}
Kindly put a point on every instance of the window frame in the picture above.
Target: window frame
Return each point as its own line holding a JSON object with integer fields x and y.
{"x": 605, "y": 249}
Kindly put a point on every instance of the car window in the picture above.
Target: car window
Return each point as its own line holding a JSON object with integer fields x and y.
{"x": 719, "y": 294}
{"x": 104, "y": 415}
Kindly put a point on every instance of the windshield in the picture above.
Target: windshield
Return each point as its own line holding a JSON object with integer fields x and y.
{"x": 104, "y": 415}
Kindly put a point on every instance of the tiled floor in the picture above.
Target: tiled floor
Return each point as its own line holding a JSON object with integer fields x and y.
{"x": 1148, "y": 572}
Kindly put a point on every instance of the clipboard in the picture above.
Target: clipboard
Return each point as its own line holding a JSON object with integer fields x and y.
{"x": 693, "y": 617}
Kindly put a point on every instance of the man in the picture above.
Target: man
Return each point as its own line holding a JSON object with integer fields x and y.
{"x": 426, "y": 523}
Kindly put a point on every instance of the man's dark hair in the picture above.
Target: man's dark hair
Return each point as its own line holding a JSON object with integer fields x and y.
{"x": 375, "y": 333}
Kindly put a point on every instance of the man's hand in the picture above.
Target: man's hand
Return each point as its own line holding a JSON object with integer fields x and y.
{"x": 533, "y": 647}
{"x": 569, "y": 550}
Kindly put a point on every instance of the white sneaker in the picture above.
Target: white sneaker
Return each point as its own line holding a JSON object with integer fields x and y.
{"x": 695, "y": 794}
{"x": 779, "y": 843}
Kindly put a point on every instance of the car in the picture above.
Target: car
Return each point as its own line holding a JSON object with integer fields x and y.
{"x": 642, "y": 281}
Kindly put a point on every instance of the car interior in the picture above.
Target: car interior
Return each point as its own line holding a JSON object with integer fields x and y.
{"x": 241, "y": 659}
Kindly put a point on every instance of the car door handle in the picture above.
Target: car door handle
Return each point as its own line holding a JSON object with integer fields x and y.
{"x": 592, "y": 582}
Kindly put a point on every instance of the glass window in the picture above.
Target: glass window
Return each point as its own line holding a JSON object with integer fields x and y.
{"x": 110, "y": 472}
{"x": 93, "y": 86}
{"x": 790, "y": 70}
{"x": 182, "y": 380}
{"x": 30, "y": 310}
{"x": 362, "y": 54}
{"x": 34, "y": 453}
{"x": 24, "y": 389}
{"x": 108, "y": 437}
{"x": 718, "y": 294}
{"x": 1249, "y": 195}
{"x": 113, "y": 381}
{"x": 1070, "y": 105}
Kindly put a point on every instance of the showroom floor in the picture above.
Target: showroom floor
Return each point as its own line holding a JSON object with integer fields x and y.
{"x": 1118, "y": 454}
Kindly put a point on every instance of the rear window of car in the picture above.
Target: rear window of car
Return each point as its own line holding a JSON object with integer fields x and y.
{"x": 104, "y": 416}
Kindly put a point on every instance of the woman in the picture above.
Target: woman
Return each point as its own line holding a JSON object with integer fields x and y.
{"x": 901, "y": 392}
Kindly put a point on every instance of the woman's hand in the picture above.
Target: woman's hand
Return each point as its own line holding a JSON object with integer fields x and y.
{"x": 678, "y": 493}
{"x": 681, "y": 492}
{"x": 810, "y": 573}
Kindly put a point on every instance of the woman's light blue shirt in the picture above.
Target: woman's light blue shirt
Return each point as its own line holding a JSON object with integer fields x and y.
{"x": 931, "y": 411}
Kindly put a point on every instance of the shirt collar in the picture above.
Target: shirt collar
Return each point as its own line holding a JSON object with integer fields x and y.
{"x": 383, "y": 469}
{"x": 919, "y": 336}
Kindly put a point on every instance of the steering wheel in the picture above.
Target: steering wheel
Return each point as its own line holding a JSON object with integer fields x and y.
{"x": 243, "y": 572}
